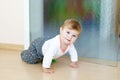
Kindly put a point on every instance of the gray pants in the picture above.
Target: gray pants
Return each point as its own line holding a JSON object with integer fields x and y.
{"x": 34, "y": 53}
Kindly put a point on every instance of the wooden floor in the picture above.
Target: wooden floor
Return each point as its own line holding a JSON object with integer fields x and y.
{"x": 13, "y": 68}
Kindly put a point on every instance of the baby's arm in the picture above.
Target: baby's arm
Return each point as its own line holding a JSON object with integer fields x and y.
{"x": 49, "y": 50}
{"x": 74, "y": 57}
{"x": 46, "y": 66}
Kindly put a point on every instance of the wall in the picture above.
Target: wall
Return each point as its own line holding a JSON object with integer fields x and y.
{"x": 12, "y": 21}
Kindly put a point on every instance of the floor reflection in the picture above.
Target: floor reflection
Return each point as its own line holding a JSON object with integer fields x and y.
{"x": 74, "y": 74}
{"x": 46, "y": 76}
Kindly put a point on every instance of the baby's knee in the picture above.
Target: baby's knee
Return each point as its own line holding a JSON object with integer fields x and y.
{"x": 27, "y": 57}
{"x": 24, "y": 54}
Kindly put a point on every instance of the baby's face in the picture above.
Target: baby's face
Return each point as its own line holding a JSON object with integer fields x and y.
{"x": 68, "y": 36}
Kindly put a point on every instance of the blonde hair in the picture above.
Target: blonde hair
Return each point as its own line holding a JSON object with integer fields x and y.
{"x": 72, "y": 24}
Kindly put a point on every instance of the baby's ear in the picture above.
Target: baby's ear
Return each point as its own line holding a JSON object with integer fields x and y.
{"x": 60, "y": 29}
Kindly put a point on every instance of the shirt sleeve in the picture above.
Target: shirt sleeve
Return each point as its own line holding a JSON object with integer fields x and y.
{"x": 47, "y": 60}
{"x": 48, "y": 55}
{"x": 73, "y": 54}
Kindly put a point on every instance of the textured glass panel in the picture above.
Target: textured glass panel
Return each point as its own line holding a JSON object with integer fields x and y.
{"x": 97, "y": 40}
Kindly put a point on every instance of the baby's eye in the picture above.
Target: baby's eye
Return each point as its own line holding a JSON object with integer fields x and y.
{"x": 74, "y": 35}
{"x": 68, "y": 32}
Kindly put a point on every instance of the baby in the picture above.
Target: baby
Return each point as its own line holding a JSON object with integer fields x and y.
{"x": 47, "y": 50}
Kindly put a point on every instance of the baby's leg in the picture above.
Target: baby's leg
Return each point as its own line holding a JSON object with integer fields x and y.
{"x": 34, "y": 53}
{"x": 30, "y": 55}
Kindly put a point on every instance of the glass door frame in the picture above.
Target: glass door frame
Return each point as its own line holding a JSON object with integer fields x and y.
{"x": 26, "y": 24}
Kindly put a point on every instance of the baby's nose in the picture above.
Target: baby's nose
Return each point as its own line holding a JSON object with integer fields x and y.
{"x": 70, "y": 37}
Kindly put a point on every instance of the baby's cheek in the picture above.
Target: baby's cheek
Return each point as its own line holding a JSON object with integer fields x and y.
{"x": 73, "y": 41}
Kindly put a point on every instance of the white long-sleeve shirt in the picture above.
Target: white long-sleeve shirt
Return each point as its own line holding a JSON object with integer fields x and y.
{"x": 51, "y": 50}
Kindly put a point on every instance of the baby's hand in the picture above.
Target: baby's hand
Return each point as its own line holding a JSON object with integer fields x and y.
{"x": 74, "y": 65}
{"x": 48, "y": 70}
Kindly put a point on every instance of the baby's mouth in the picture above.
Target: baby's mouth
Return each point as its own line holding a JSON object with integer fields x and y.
{"x": 68, "y": 40}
